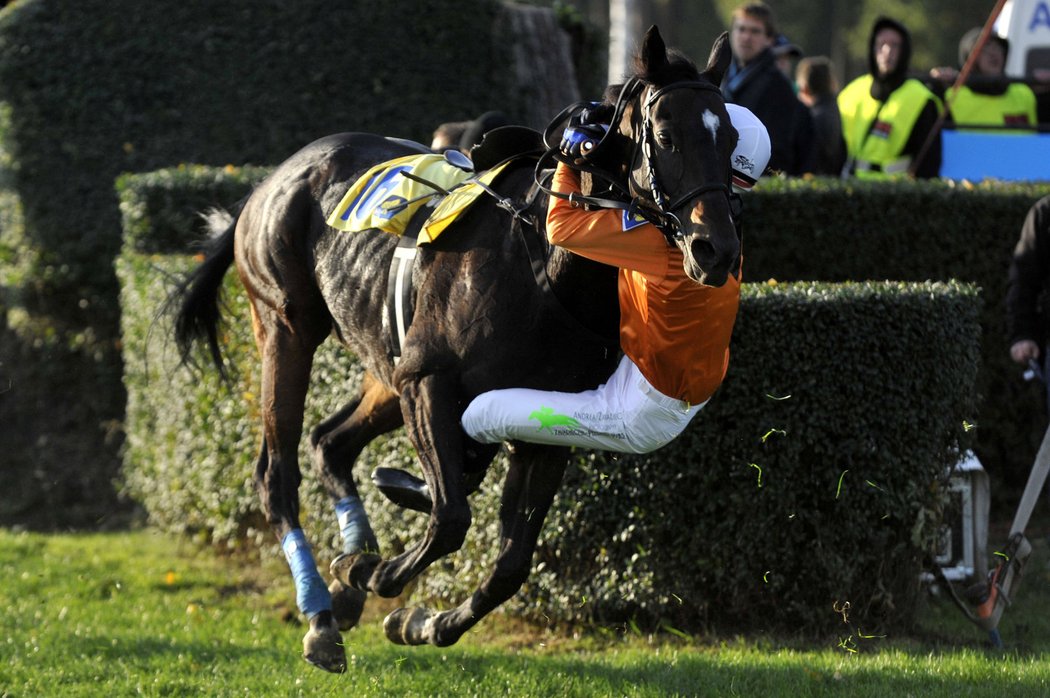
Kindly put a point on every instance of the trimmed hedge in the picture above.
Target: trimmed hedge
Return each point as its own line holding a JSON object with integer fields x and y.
{"x": 812, "y": 479}
{"x": 830, "y": 230}
{"x": 94, "y": 88}
{"x": 820, "y": 459}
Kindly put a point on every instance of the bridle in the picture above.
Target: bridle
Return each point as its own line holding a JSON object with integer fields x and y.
{"x": 663, "y": 216}
{"x": 671, "y": 222}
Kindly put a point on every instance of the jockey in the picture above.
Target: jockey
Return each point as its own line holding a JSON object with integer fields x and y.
{"x": 674, "y": 332}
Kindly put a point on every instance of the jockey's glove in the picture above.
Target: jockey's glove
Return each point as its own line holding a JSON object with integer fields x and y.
{"x": 579, "y": 139}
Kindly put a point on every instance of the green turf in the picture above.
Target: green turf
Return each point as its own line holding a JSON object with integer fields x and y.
{"x": 121, "y": 614}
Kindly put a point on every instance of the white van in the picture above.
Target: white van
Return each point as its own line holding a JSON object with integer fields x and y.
{"x": 1026, "y": 25}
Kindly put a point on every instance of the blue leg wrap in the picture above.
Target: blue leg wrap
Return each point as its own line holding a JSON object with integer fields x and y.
{"x": 311, "y": 593}
{"x": 353, "y": 525}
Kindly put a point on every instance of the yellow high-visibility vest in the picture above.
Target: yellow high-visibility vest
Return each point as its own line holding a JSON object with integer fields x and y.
{"x": 876, "y": 132}
{"x": 1015, "y": 107}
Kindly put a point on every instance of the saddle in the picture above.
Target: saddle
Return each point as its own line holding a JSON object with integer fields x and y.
{"x": 417, "y": 197}
{"x": 389, "y": 195}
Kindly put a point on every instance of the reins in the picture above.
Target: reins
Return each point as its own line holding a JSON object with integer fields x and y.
{"x": 663, "y": 216}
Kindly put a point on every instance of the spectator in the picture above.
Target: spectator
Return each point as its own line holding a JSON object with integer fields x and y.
{"x": 1028, "y": 278}
{"x": 817, "y": 90}
{"x": 887, "y": 117}
{"x": 753, "y": 81}
{"x": 786, "y": 53}
{"x": 446, "y": 136}
{"x": 988, "y": 98}
{"x": 477, "y": 129}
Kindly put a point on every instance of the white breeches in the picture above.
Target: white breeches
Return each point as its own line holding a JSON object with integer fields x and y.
{"x": 625, "y": 414}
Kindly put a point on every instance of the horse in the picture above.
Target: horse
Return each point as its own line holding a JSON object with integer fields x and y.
{"x": 481, "y": 322}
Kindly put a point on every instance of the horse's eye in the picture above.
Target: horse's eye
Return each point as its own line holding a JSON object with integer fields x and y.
{"x": 663, "y": 139}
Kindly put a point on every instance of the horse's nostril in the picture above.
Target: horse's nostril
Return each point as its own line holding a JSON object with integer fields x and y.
{"x": 703, "y": 250}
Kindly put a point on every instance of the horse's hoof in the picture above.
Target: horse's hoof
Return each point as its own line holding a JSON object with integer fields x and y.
{"x": 355, "y": 569}
{"x": 347, "y": 604}
{"x": 323, "y": 647}
{"x": 407, "y": 626}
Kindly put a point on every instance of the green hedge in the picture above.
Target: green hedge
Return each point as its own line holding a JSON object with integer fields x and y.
{"x": 94, "y": 88}
{"x": 814, "y": 477}
{"x": 830, "y": 230}
{"x": 817, "y": 462}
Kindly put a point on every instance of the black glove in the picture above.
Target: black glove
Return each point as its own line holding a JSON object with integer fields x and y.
{"x": 597, "y": 113}
{"x": 585, "y": 130}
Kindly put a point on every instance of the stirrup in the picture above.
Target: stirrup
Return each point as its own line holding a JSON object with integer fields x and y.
{"x": 410, "y": 492}
{"x": 403, "y": 489}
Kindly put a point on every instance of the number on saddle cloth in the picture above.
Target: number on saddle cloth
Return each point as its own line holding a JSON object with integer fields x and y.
{"x": 385, "y": 199}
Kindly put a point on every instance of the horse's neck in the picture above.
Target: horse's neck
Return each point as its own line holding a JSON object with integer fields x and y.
{"x": 587, "y": 290}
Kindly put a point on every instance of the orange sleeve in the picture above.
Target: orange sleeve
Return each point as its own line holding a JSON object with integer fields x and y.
{"x": 599, "y": 235}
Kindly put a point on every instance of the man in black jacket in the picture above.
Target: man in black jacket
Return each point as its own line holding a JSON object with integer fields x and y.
{"x": 753, "y": 81}
{"x": 1029, "y": 276}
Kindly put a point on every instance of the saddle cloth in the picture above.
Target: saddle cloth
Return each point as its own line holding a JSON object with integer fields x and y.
{"x": 384, "y": 199}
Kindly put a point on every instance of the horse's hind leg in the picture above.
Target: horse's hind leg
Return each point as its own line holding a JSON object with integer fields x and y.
{"x": 337, "y": 442}
{"x": 432, "y": 423}
{"x": 287, "y": 355}
{"x": 532, "y": 480}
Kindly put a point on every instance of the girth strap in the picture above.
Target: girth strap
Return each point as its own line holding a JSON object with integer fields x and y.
{"x": 400, "y": 300}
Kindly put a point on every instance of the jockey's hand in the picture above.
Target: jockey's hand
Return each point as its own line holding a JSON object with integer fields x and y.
{"x": 579, "y": 140}
{"x": 597, "y": 113}
{"x": 1023, "y": 351}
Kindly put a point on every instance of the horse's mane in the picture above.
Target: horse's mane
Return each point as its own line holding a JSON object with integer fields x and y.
{"x": 678, "y": 68}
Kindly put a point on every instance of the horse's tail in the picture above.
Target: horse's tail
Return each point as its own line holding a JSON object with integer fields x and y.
{"x": 198, "y": 295}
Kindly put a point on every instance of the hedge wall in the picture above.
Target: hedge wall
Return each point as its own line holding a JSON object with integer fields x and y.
{"x": 831, "y": 230}
{"x": 819, "y": 460}
{"x": 809, "y": 481}
{"x": 94, "y": 88}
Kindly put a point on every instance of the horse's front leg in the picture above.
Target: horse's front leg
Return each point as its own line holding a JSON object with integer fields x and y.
{"x": 533, "y": 478}
{"x": 431, "y": 416}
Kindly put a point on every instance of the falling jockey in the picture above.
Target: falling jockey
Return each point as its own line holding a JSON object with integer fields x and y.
{"x": 674, "y": 332}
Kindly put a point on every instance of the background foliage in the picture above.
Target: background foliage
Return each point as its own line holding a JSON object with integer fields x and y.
{"x": 801, "y": 479}
{"x": 95, "y": 88}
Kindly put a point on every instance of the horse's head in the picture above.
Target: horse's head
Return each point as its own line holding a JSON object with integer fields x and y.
{"x": 683, "y": 139}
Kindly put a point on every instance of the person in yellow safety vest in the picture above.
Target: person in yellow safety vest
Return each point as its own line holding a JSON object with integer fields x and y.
{"x": 887, "y": 116}
{"x": 988, "y": 98}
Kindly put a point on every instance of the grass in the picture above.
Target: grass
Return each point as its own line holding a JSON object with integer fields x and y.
{"x": 137, "y": 613}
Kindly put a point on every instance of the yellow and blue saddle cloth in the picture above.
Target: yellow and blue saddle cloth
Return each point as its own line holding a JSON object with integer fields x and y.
{"x": 385, "y": 199}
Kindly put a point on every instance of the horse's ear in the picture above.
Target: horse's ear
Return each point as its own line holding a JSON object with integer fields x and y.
{"x": 653, "y": 55}
{"x": 718, "y": 62}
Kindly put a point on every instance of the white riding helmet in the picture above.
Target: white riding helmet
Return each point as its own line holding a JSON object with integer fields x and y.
{"x": 752, "y": 150}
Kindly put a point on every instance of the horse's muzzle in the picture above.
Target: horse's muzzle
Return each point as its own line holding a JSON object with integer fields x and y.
{"x": 709, "y": 258}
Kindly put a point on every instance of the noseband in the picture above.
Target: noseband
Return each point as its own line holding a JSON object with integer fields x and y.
{"x": 663, "y": 216}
